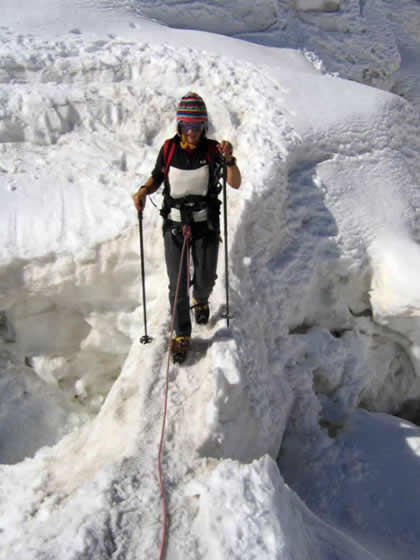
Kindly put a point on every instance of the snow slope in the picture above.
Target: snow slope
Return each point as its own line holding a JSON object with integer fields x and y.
{"x": 323, "y": 258}
{"x": 361, "y": 487}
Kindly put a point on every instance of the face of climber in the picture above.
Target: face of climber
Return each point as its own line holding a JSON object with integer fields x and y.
{"x": 191, "y": 132}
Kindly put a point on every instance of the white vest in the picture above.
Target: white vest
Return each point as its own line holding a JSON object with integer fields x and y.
{"x": 184, "y": 182}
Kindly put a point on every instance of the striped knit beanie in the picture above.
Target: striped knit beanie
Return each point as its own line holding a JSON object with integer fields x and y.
{"x": 192, "y": 109}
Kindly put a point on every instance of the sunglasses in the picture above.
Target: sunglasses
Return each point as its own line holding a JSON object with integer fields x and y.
{"x": 195, "y": 127}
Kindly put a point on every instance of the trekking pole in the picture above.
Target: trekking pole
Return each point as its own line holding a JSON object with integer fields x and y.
{"x": 146, "y": 338}
{"x": 227, "y": 314}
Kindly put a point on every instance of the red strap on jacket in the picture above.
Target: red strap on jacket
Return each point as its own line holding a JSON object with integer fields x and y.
{"x": 212, "y": 152}
{"x": 168, "y": 157}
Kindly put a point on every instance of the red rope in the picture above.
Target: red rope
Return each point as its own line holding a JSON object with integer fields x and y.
{"x": 185, "y": 247}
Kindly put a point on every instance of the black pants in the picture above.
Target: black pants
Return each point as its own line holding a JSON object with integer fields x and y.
{"x": 204, "y": 247}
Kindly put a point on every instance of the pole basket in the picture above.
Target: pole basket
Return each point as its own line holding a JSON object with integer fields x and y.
{"x": 228, "y": 316}
{"x": 146, "y": 339}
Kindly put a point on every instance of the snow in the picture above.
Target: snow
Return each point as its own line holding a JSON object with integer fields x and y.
{"x": 268, "y": 451}
{"x": 363, "y": 489}
{"x": 255, "y": 525}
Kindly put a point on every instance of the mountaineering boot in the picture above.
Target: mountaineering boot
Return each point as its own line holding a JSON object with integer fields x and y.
{"x": 201, "y": 312}
{"x": 179, "y": 348}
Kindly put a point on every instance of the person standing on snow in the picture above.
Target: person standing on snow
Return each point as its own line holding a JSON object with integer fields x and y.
{"x": 188, "y": 165}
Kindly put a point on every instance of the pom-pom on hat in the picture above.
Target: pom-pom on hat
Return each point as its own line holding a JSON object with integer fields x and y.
{"x": 192, "y": 109}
